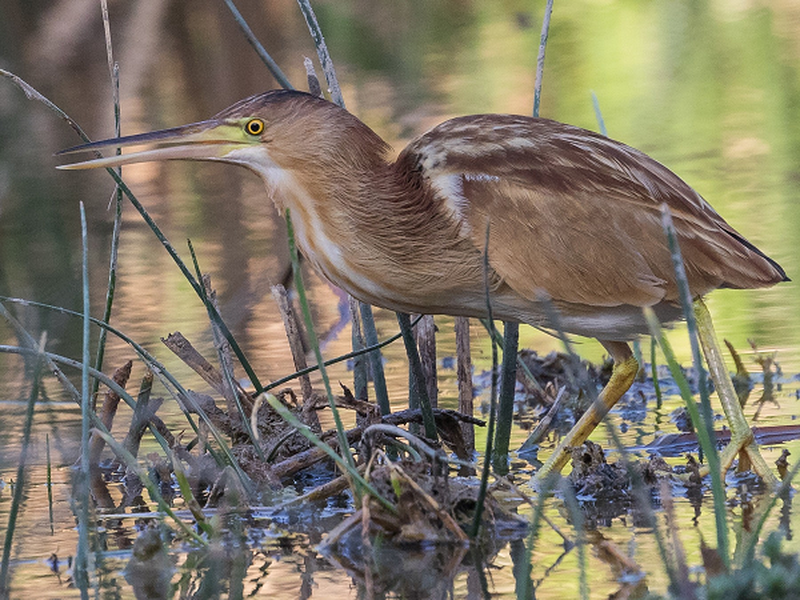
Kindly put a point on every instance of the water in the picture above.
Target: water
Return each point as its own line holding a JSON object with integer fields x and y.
{"x": 708, "y": 88}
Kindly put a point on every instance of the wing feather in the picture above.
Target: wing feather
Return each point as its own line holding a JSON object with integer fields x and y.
{"x": 578, "y": 215}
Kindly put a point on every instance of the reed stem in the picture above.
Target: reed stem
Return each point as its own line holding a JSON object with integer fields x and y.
{"x": 707, "y": 422}
{"x": 19, "y": 484}
{"x": 82, "y": 475}
{"x": 344, "y": 446}
{"x": 505, "y": 411}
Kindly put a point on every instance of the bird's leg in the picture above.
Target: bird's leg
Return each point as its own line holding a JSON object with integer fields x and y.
{"x": 625, "y": 369}
{"x": 742, "y": 440}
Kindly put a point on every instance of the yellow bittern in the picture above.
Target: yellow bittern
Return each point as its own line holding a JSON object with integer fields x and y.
{"x": 572, "y": 216}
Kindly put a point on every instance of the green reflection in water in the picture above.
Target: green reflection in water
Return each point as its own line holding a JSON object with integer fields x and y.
{"x": 708, "y": 88}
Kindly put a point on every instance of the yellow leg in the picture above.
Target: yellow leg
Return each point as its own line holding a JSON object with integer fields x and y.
{"x": 742, "y": 440}
{"x": 625, "y": 370}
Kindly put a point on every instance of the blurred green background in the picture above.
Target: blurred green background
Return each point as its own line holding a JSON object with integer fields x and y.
{"x": 709, "y": 88}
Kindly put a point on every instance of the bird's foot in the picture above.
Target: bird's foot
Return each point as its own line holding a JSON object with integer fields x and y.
{"x": 621, "y": 379}
{"x": 744, "y": 445}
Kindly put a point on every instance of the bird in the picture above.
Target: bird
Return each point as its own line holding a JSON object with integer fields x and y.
{"x": 542, "y": 213}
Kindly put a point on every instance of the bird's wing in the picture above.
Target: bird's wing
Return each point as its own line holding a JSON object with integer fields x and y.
{"x": 571, "y": 247}
{"x": 578, "y": 215}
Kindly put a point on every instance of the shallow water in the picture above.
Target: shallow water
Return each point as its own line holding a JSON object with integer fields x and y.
{"x": 281, "y": 555}
{"x": 710, "y": 89}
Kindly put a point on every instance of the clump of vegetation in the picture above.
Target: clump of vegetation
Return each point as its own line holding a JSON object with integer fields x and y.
{"x": 776, "y": 578}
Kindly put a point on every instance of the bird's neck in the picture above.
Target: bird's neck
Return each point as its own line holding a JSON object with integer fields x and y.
{"x": 358, "y": 216}
{"x": 330, "y": 194}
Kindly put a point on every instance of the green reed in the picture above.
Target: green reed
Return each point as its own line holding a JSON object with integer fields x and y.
{"x": 113, "y": 69}
{"x": 49, "y": 484}
{"x": 707, "y": 422}
{"x": 487, "y": 457}
{"x": 81, "y": 487}
{"x": 19, "y": 484}
{"x": 511, "y": 331}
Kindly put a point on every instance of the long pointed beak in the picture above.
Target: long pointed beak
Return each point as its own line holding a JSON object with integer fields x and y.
{"x": 206, "y": 140}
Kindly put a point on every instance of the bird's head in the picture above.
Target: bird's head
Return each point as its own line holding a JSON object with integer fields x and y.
{"x": 271, "y": 134}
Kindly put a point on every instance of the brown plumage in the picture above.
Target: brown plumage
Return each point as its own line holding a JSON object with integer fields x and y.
{"x": 577, "y": 216}
{"x": 572, "y": 215}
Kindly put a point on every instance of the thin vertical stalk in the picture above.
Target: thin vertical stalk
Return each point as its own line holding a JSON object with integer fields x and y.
{"x": 314, "y": 88}
{"x": 425, "y": 335}
{"x": 82, "y": 479}
{"x": 706, "y": 440}
{"x": 537, "y": 91}
{"x": 113, "y": 69}
{"x": 49, "y": 485}
{"x": 476, "y": 523}
{"x": 487, "y": 458}
{"x": 296, "y": 344}
{"x": 601, "y": 123}
{"x": 19, "y": 485}
{"x": 357, "y": 342}
{"x": 464, "y": 376}
{"x": 417, "y": 380}
{"x": 636, "y": 347}
{"x": 691, "y": 323}
{"x": 251, "y": 38}
{"x": 322, "y": 52}
{"x": 712, "y": 457}
{"x": 375, "y": 358}
{"x": 654, "y": 373}
{"x": 344, "y": 446}
{"x": 361, "y": 363}
{"x": 505, "y": 411}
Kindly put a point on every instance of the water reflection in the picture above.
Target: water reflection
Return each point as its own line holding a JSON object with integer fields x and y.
{"x": 708, "y": 88}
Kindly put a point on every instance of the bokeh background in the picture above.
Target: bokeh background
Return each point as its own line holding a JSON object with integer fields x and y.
{"x": 711, "y": 88}
{"x": 708, "y": 88}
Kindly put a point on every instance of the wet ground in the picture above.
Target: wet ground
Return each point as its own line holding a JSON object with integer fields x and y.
{"x": 278, "y": 547}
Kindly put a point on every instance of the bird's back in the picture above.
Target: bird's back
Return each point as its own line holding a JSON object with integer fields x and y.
{"x": 578, "y": 215}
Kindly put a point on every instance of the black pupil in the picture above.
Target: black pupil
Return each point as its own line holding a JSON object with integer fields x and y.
{"x": 255, "y": 127}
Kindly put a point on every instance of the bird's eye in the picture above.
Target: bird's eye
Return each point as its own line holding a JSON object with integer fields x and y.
{"x": 254, "y": 127}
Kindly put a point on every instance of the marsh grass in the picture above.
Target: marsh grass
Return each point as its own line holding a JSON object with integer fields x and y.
{"x": 487, "y": 456}
{"x": 344, "y": 446}
{"x": 505, "y": 411}
{"x": 113, "y": 69}
{"x": 704, "y": 426}
{"x": 49, "y": 481}
{"x": 19, "y": 484}
{"x": 511, "y": 332}
{"x": 208, "y": 531}
{"x": 81, "y": 486}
